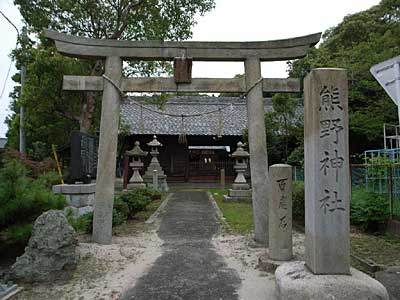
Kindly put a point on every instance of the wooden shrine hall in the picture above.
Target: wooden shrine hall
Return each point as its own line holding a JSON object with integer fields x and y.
{"x": 196, "y": 148}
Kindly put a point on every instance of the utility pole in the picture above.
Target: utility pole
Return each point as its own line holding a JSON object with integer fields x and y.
{"x": 21, "y": 38}
{"x": 22, "y": 148}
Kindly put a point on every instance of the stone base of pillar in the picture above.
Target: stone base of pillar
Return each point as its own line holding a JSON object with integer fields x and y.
{"x": 238, "y": 195}
{"x": 162, "y": 182}
{"x": 135, "y": 185}
{"x": 295, "y": 282}
{"x": 240, "y": 186}
{"x": 266, "y": 264}
{"x": 79, "y": 197}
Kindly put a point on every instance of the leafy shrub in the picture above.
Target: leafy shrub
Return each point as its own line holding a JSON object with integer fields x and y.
{"x": 298, "y": 201}
{"x": 22, "y": 200}
{"x": 18, "y": 233}
{"x": 36, "y": 168}
{"x": 368, "y": 210}
{"x": 136, "y": 199}
{"x": 49, "y": 179}
{"x": 82, "y": 224}
{"x": 120, "y": 211}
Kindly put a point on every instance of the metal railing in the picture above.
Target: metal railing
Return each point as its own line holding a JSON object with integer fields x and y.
{"x": 383, "y": 179}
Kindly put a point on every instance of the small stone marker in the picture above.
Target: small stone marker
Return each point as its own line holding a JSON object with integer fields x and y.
{"x": 280, "y": 212}
{"x": 327, "y": 182}
{"x": 155, "y": 179}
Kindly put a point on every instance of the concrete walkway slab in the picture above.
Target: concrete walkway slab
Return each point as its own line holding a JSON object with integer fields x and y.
{"x": 190, "y": 267}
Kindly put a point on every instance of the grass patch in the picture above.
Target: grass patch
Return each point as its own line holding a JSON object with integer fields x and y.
{"x": 382, "y": 249}
{"x": 239, "y": 215}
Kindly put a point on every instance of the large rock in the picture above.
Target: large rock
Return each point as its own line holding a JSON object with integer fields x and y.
{"x": 51, "y": 251}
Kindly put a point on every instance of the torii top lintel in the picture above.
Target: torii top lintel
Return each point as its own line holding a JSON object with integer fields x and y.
{"x": 275, "y": 50}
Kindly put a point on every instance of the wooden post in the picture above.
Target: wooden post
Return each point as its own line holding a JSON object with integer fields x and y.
{"x": 126, "y": 171}
{"x": 222, "y": 178}
{"x": 110, "y": 110}
{"x": 258, "y": 149}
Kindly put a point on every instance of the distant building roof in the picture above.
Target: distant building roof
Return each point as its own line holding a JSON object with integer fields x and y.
{"x": 234, "y": 116}
{"x": 3, "y": 142}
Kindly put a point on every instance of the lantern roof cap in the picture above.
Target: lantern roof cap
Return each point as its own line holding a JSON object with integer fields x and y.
{"x": 136, "y": 150}
{"x": 154, "y": 142}
{"x": 240, "y": 152}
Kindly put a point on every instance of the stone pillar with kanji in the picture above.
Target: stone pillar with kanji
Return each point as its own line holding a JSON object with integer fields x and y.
{"x": 327, "y": 173}
{"x": 326, "y": 272}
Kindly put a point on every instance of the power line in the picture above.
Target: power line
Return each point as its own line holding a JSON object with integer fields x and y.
{"x": 5, "y": 80}
{"x": 11, "y": 61}
{"x": 9, "y": 21}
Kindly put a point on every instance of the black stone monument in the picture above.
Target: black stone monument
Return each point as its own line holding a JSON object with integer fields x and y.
{"x": 84, "y": 151}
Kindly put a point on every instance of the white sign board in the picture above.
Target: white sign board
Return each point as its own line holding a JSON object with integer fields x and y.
{"x": 387, "y": 73}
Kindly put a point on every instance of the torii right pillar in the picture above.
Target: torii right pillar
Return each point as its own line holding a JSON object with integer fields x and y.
{"x": 258, "y": 149}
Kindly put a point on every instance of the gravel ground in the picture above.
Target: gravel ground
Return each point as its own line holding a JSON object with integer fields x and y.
{"x": 182, "y": 255}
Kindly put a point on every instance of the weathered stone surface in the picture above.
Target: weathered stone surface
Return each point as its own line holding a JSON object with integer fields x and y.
{"x": 110, "y": 110}
{"x": 390, "y": 278}
{"x": 152, "y": 50}
{"x": 238, "y": 195}
{"x": 295, "y": 282}
{"x": 163, "y": 84}
{"x": 50, "y": 251}
{"x": 280, "y": 212}
{"x": 258, "y": 149}
{"x": 266, "y": 264}
{"x": 327, "y": 172}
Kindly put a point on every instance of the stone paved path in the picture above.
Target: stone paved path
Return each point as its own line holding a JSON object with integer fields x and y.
{"x": 189, "y": 267}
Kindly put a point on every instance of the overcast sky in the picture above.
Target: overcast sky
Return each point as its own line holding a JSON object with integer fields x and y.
{"x": 231, "y": 20}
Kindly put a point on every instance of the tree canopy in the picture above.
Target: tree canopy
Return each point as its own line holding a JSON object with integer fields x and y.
{"x": 52, "y": 113}
{"x": 360, "y": 41}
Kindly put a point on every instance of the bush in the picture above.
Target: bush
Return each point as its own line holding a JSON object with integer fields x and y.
{"x": 120, "y": 211}
{"x": 49, "y": 179}
{"x": 136, "y": 199}
{"x": 18, "y": 233}
{"x": 298, "y": 201}
{"x": 22, "y": 199}
{"x": 83, "y": 224}
{"x": 368, "y": 210}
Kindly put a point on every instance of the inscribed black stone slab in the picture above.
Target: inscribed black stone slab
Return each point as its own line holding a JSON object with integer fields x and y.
{"x": 84, "y": 149}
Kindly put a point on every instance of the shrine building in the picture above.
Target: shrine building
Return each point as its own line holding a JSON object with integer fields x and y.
{"x": 195, "y": 146}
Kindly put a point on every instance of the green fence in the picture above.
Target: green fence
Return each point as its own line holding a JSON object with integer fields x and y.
{"x": 380, "y": 179}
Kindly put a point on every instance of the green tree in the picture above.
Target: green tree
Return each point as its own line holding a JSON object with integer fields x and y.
{"x": 284, "y": 130}
{"x": 356, "y": 44}
{"x": 53, "y": 113}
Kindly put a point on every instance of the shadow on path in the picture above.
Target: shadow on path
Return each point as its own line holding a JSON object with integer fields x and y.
{"x": 189, "y": 267}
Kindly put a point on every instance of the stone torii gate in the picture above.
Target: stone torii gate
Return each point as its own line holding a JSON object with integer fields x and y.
{"x": 182, "y": 53}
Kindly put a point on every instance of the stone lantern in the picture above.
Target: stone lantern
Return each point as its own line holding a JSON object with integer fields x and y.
{"x": 240, "y": 188}
{"x": 136, "y": 164}
{"x": 154, "y": 168}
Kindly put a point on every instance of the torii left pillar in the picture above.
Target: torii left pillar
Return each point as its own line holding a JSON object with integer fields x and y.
{"x": 110, "y": 110}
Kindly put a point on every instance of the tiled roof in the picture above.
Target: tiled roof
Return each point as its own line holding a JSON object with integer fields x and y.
{"x": 234, "y": 117}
